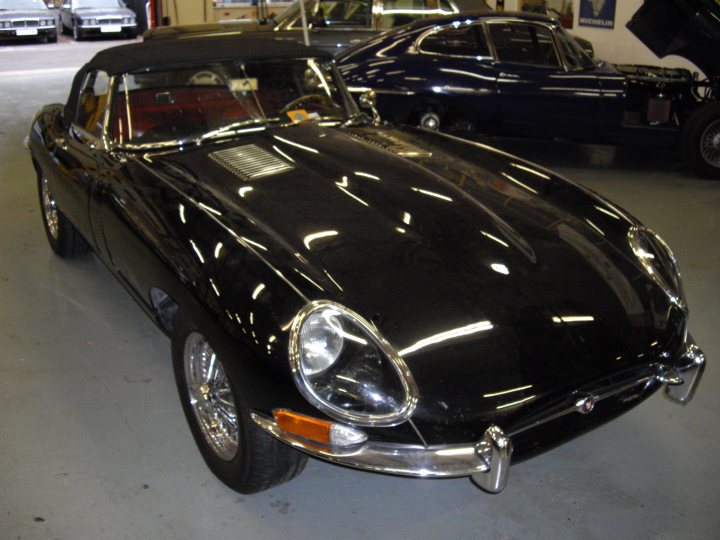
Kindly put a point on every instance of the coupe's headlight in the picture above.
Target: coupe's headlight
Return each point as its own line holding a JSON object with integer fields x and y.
{"x": 658, "y": 261}
{"x": 345, "y": 368}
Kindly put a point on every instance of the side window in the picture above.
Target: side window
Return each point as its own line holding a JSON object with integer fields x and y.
{"x": 398, "y": 12}
{"x": 92, "y": 101}
{"x": 524, "y": 44}
{"x": 337, "y": 14}
{"x": 462, "y": 40}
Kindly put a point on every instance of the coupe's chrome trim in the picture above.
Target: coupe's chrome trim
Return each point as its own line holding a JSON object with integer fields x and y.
{"x": 379, "y": 91}
{"x": 487, "y": 460}
{"x": 250, "y": 162}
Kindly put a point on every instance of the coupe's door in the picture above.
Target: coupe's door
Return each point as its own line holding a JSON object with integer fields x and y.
{"x": 457, "y": 56}
{"x": 335, "y": 25}
{"x": 539, "y": 92}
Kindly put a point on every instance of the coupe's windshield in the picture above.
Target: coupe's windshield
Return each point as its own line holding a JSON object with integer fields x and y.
{"x": 575, "y": 56}
{"x": 22, "y": 4}
{"x": 84, "y": 4}
{"x": 221, "y": 99}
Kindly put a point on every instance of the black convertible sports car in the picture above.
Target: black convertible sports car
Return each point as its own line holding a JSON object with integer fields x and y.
{"x": 396, "y": 300}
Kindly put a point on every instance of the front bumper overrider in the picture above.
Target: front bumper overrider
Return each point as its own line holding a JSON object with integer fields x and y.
{"x": 486, "y": 461}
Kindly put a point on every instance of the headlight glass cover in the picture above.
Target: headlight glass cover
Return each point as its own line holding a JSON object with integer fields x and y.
{"x": 346, "y": 369}
{"x": 659, "y": 262}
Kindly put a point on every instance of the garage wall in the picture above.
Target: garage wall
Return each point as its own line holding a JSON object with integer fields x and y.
{"x": 618, "y": 45}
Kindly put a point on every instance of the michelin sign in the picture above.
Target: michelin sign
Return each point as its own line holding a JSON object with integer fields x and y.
{"x": 599, "y": 13}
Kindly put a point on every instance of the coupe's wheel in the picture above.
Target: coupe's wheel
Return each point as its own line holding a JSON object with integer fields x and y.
{"x": 237, "y": 451}
{"x": 701, "y": 141}
{"x": 77, "y": 35}
{"x": 429, "y": 120}
{"x": 62, "y": 236}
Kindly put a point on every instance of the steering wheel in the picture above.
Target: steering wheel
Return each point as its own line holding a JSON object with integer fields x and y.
{"x": 205, "y": 78}
{"x": 318, "y": 101}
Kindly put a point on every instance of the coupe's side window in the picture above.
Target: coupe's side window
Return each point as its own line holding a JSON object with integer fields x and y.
{"x": 462, "y": 40}
{"x": 92, "y": 101}
{"x": 524, "y": 44}
{"x": 337, "y": 14}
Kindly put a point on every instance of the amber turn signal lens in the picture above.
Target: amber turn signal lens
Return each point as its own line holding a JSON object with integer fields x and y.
{"x": 303, "y": 426}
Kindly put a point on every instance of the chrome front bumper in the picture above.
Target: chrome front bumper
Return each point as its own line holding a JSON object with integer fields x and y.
{"x": 487, "y": 461}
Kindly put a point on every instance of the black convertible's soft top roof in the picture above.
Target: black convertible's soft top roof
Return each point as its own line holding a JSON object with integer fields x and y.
{"x": 191, "y": 49}
{"x": 187, "y": 51}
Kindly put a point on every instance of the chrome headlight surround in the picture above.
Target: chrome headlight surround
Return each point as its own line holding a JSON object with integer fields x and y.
{"x": 317, "y": 383}
{"x": 658, "y": 261}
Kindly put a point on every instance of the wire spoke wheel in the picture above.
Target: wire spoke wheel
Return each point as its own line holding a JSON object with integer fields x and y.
{"x": 211, "y": 397}
{"x": 49, "y": 209}
{"x": 710, "y": 144}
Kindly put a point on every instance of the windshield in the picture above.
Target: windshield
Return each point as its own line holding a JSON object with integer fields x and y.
{"x": 220, "y": 99}
{"x": 575, "y": 57}
{"x": 22, "y": 4}
{"x": 83, "y": 4}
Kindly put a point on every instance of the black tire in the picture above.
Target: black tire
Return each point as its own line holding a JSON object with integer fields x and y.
{"x": 700, "y": 143}
{"x": 240, "y": 454}
{"x": 77, "y": 34}
{"x": 52, "y": 38}
{"x": 63, "y": 237}
{"x": 428, "y": 115}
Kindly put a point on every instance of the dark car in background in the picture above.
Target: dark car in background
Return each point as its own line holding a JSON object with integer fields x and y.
{"x": 392, "y": 299}
{"x": 27, "y": 19}
{"x": 333, "y": 24}
{"x": 336, "y": 24}
{"x": 98, "y": 18}
{"x": 521, "y": 75}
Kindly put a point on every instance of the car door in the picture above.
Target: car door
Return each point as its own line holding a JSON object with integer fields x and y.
{"x": 539, "y": 94}
{"x": 455, "y": 60}
{"x": 336, "y": 24}
{"x": 81, "y": 153}
{"x": 66, "y": 14}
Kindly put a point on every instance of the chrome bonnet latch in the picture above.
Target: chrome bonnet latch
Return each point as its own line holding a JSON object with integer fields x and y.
{"x": 495, "y": 449}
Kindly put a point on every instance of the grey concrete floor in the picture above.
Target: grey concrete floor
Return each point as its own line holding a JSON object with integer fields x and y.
{"x": 93, "y": 443}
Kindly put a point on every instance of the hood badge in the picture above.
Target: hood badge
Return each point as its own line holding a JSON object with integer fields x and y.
{"x": 250, "y": 162}
{"x": 586, "y": 404}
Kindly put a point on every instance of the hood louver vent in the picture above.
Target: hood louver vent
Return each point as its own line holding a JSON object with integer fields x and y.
{"x": 250, "y": 162}
{"x": 393, "y": 144}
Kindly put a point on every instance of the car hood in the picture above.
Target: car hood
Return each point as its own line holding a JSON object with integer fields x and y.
{"x": 99, "y": 12}
{"x": 687, "y": 28}
{"x": 497, "y": 281}
{"x": 26, "y": 14}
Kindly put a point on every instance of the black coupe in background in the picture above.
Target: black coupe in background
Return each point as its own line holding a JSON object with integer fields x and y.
{"x": 396, "y": 300}
{"x": 522, "y": 75}
{"x": 27, "y": 19}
